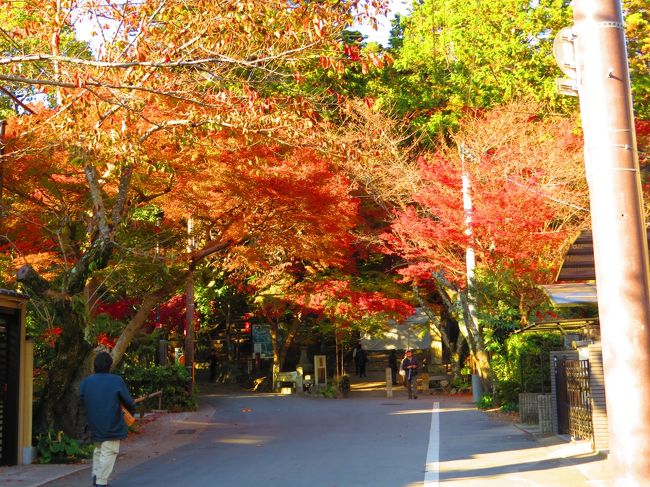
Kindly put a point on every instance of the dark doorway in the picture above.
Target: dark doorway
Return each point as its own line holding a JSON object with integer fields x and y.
{"x": 9, "y": 381}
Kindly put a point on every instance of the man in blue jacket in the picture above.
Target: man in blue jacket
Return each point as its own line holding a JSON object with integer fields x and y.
{"x": 103, "y": 395}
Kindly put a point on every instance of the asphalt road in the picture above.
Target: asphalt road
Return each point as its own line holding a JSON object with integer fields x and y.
{"x": 291, "y": 441}
{"x": 288, "y": 441}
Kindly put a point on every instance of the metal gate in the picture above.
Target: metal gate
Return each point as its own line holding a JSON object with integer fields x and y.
{"x": 579, "y": 395}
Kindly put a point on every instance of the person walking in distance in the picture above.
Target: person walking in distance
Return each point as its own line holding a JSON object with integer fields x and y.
{"x": 360, "y": 359}
{"x": 410, "y": 367}
{"x": 103, "y": 394}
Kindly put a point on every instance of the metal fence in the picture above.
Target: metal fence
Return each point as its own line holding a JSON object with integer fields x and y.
{"x": 579, "y": 398}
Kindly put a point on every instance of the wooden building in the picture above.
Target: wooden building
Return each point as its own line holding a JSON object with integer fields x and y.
{"x": 16, "y": 374}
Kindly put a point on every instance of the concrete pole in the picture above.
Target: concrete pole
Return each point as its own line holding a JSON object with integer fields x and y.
{"x": 189, "y": 308}
{"x": 470, "y": 259}
{"x": 619, "y": 234}
{"x": 3, "y": 125}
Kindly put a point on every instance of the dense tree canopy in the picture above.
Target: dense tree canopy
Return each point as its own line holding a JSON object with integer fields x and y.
{"x": 260, "y": 150}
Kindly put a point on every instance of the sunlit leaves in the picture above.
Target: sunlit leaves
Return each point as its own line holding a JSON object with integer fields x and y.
{"x": 528, "y": 196}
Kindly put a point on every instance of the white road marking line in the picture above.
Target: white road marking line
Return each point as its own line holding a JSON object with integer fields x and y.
{"x": 432, "y": 468}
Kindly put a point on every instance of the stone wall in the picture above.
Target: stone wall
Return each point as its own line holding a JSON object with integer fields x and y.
{"x": 528, "y": 409}
{"x": 545, "y": 413}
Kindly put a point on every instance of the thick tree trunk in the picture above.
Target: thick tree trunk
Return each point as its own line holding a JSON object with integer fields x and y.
{"x": 59, "y": 406}
{"x": 470, "y": 330}
{"x": 455, "y": 349}
{"x": 278, "y": 359}
{"x": 280, "y": 349}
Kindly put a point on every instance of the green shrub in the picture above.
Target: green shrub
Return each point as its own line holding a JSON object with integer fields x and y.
{"x": 56, "y": 447}
{"x": 328, "y": 392}
{"x": 510, "y": 407}
{"x": 343, "y": 383}
{"x": 528, "y": 360}
{"x": 460, "y": 383}
{"x": 507, "y": 391}
{"x": 173, "y": 380}
{"x": 485, "y": 402}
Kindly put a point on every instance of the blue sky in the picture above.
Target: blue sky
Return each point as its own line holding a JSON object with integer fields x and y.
{"x": 381, "y": 35}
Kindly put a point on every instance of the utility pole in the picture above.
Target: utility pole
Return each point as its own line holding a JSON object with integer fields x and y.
{"x": 470, "y": 258}
{"x": 189, "y": 307}
{"x": 3, "y": 125}
{"x": 619, "y": 232}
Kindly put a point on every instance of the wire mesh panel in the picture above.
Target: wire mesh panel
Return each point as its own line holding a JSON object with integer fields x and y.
{"x": 579, "y": 395}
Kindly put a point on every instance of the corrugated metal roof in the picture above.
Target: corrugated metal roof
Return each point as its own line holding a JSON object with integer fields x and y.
{"x": 572, "y": 294}
{"x": 578, "y": 263}
{"x": 563, "y": 326}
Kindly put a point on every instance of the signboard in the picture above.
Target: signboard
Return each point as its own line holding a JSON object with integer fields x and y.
{"x": 320, "y": 370}
{"x": 262, "y": 344}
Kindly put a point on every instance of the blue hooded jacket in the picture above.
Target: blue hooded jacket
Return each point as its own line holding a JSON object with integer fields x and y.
{"x": 102, "y": 395}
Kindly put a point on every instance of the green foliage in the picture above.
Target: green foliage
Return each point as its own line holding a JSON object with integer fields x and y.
{"x": 506, "y": 392}
{"x": 637, "y": 31}
{"x": 455, "y": 54}
{"x": 328, "y": 392}
{"x": 485, "y": 402}
{"x": 150, "y": 213}
{"x": 510, "y": 407}
{"x": 343, "y": 384}
{"x": 460, "y": 383}
{"x": 173, "y": 380}
{"x": 528, "y": 358}
{"x": 56, "y": 447}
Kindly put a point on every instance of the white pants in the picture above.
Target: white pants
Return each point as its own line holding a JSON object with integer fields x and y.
{"x": 104, "y": 458}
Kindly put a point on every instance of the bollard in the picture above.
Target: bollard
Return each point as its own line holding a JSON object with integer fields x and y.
{"x": 389, "y": 382}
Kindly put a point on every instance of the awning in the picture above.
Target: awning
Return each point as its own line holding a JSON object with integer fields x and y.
{"x": 573, "y": 294}
{"x": 563, "y": 326}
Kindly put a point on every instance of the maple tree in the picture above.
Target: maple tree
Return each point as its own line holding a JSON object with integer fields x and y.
{"x": 529, "y": 198}
{"x": 233, "y": 116}
{"x": 122, "y": 129}
{"x": 263, "y": 207}
{"x": 337, "y": 303}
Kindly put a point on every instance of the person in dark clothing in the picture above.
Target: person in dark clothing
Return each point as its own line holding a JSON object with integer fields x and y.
{"x": 392, "y": 365}
{"x": 213, "y": 365}
{"x": 103, "y": 394}
{"x": 360, "y": 359}
{"x": 410, "y": 367}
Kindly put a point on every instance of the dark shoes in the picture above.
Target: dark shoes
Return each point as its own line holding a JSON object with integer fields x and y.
{"x": 95, "y": 484}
